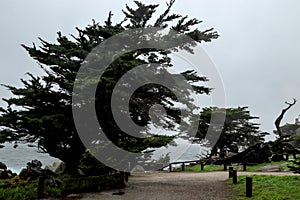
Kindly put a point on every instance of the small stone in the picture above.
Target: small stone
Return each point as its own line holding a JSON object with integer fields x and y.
{"x": 74, "y": 196}
{"x": 138, "y": 169}
{"x": 271, "y": 168}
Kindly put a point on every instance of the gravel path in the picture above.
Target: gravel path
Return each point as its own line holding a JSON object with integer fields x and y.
{"x": 172, "y": 186}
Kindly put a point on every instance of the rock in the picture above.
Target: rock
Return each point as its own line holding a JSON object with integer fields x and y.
{"x": 3, "y": 174}
{"x": 81, "y": 173}
{"x": 2, "y": 166}
{"x": 6, "y": 174}
{"x": 36, "y": 164}
{"x": 74, "y": 196}
{"x": 271, "y": 168}
{"x": 57, "y": 167}
{"x": 138, "y": 169}
{"x": 26, "y": 174}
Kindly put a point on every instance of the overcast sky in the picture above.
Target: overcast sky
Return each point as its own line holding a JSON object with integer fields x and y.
{"x": 257, "y": 54}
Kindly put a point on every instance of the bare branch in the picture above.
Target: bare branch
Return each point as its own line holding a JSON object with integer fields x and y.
{"x": 280, "y": 117}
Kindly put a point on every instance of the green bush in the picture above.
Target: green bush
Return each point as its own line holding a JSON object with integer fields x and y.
{"x": 91, "y": 166}
{"x": 20, "y": 192}
{"x": 295, "y": 166}
{"x": 26, "y": 190}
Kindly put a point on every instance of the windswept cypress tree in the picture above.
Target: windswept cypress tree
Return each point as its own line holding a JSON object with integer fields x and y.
{"x": 41, "y": 110}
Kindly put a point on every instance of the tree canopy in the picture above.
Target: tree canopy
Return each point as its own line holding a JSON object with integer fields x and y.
{"x": 41, "y": 110}
{"x": 238, "y": 131}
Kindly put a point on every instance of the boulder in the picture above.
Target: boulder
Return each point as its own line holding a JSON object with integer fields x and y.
{"x": 138, "y": 169}
{"x": 26, "y": 174}
{"x": 34, "y": 164}
{"x": 2, "y": 166}
{"x": 6, "y": 174}
{"x": 271, "y": 168}
{"x": 74, "y": 196}
{"x": 57, "y": 167}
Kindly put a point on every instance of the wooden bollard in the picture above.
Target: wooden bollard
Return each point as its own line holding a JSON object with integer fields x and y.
{"x": 244, "y": 167}
{"x": 234, "y": 176}
{"x": 170, "y": 167}
{"x": 230, "y": 172}
{"x": 248, "y": 186}
{"x": 127, "y": 174}
{"x": 202, "y": 166}
{"x": 182, "y": 167}
{"x": 40, "y": 189}
{"x": 225, "y": 167}
{"x": 287, "y": 156}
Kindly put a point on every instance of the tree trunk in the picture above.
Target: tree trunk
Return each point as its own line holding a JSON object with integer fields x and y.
{"x": 280, "y": 117}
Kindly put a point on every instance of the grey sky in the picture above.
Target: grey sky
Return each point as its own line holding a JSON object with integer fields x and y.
{"x": 258, "y": 53}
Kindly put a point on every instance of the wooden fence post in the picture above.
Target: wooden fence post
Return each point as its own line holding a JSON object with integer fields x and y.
{"x": 248, "y": 186}
{"x": 287, "y": 156}
{"x": 234, "y": 176}
{"x": 244, "y": 167}
{"x": 40, "y": 189}
{"x": 170, "y": 167}
{"x": 225, "y": 167}
{"x": 202, "y": 166}
{"x": 182, "y": 167}
{"x": 230, "y": 172}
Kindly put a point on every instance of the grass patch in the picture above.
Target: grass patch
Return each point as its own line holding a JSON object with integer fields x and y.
{"x": 197, "y": 168}
{"x": 27, "y": 191}
{"x": 255, "y": 168}
{"x": 268, "y": 187}
{"x": 211, "y": 168}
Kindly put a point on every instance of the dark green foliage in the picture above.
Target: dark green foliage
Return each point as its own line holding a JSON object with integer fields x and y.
{"x": 258, "y": 153}
{"x": 91, "y": 166}
{"x": 41, "y": 110}
{"x": 92, "y": 184}
{"x": 24, "y": 190}
{"x": 290, "y": 134}
{"x": 239, "y": 132}
{"x": 295, "y": 166}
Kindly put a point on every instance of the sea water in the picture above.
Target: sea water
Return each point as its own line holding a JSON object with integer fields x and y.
{"x": 17, "y": 158}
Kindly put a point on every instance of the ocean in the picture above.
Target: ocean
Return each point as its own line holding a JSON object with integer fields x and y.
{"x": 17, "y": 158}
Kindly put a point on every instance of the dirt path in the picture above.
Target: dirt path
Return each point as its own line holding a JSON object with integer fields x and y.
{"x": 173, "y": 186}
{"x": 170, "y": 186}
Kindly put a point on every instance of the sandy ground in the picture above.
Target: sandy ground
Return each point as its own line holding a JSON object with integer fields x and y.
{"x": 172, "y": 186}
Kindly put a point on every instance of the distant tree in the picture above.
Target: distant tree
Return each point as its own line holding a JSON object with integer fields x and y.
{"x": 283, "y": 143}
{"x": 295, "y": 140}
{"x": 238, "y": 133}
{"x": 280, "y": 117}
{"x": 291, "y": 134}
{"x": 41, "y": 110}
